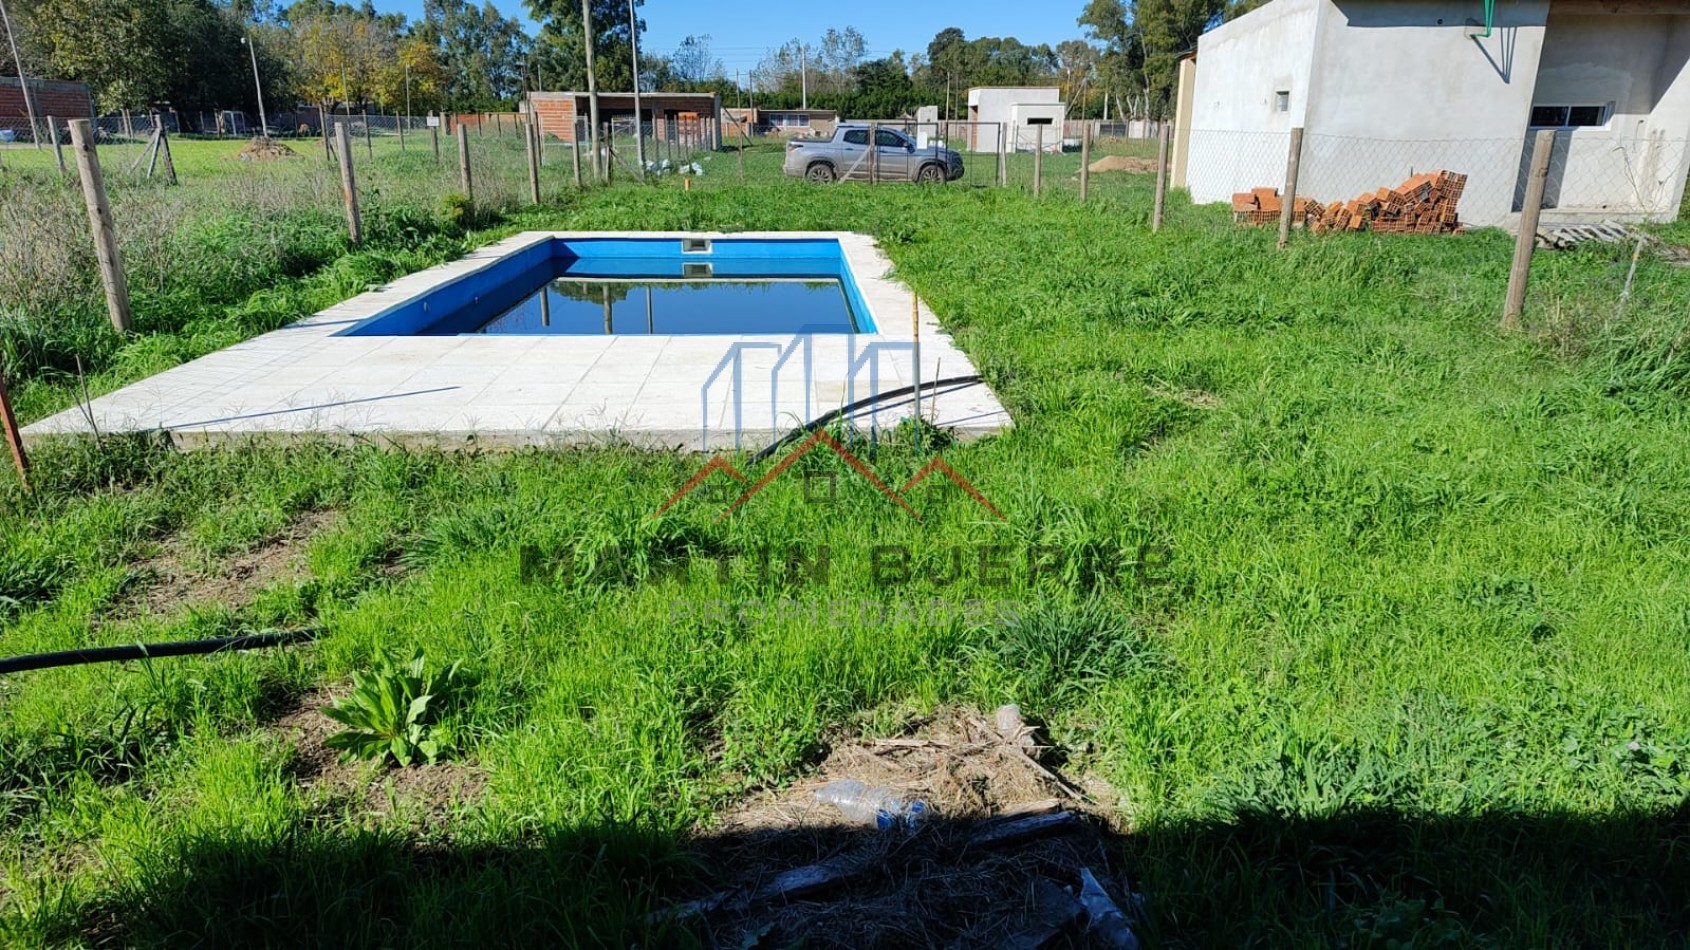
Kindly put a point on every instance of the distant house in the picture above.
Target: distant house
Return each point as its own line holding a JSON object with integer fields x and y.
{"x": 1016, "y": 118}
{"x": 669, "y": 115}
{"x": 61, "y": 100}
{"x": 1385, "y": 89}
{"x": 757, "y": 121}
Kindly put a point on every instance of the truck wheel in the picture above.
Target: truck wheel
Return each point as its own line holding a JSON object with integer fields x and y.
{"x": 821, "y": 173}
{"x": 930, "y": 175}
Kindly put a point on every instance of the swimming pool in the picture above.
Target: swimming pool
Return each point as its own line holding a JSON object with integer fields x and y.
{"x": 654, "y": 287}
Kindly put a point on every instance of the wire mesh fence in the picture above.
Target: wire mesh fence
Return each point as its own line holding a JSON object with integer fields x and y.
{"x": 259, "y": 195}
{"x": 1591, "y": 177}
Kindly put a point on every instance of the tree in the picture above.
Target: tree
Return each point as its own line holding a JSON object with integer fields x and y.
{"x": 1143, "y": 40}
{"x": 781, "y": 69}
{"x": 483, "y": 53}
{"x": 1077, "y": 67}
{"x": 416, "y": 61}
{"x": 561, "y": 54}
{"x": 693, "y": 65}
{"x": 338, "y": 54}
{"x": 837, "y": 58}
{"x": 116, "y": 46}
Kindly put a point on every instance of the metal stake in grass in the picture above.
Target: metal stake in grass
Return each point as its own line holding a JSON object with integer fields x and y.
{"x": 14, "y": 438}
{"x": 915, "y": 321}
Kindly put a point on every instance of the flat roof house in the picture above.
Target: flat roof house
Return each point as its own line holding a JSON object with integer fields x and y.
{"x": 1385, "y": 89}
{"x": 671, "y": 115}
{"x": 1012, "y": 117}
{"x": 758, "y": 121}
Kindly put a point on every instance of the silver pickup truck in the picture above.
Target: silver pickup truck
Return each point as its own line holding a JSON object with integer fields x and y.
{"x": 847, "y": 155}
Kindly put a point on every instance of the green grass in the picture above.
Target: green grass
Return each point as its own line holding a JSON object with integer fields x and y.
{"x": 1413, "y": 669}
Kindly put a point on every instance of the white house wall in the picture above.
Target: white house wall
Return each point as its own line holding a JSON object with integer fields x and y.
{"x": 1000, "y": 105}
{"x": 1636, "y": 164}
{"x": 1238, "y": 137}
{"x": 1401, "y": 88}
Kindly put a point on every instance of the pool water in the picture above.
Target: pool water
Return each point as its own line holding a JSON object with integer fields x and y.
{"x": 642, "y": 287}
{"x": 790, "y": 305}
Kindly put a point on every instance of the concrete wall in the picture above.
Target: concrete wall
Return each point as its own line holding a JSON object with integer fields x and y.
{"x": 1636, "y": 164}
{"x": 1011, "y": 106}
{"x": 1183, "y": 104}
{"x": 1401, "y": 88}
{"x": 1238, "y": 137}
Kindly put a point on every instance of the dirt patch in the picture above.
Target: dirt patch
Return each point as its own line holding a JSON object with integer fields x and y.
{"x": 265, "y": 150}
{"x": 420, "y": 796}
{"x": 173, "y": 578}
{"x": 1121, "y": 163}
{"x": 999, "y": 860}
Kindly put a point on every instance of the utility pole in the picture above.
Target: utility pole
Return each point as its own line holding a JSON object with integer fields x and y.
{"x": 263, "y": 121}
{"x": 23, "y": 81}
{"x": 803, "y": 76}
{"x": 639, "y": 131}
{"x": 592, "y": 84}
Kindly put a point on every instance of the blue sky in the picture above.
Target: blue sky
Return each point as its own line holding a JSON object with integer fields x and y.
{"x": 742, "y": 30}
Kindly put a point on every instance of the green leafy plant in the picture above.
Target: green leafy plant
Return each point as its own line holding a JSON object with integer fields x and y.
{"x": 391, "y": 710}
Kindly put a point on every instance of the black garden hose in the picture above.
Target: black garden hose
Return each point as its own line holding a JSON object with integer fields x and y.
{"x": 960, "y": 382}
{"x": 142, "y": 651}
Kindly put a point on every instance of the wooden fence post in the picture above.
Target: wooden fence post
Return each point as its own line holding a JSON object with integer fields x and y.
{"x": 14, "y": 438}
{"x": 533, "y": 141}
{"x": 1543, "y": 148}
{"x": 369, "y": 137}
{"x": 349, "y": 184}
{"x": 327, "y": 117}
{"x": 463, "y": 163}
{"x": 1085, "y": 160}
{"x": 399, "y": 123}
{"x": 100, "y": 222}
{"x": 1161, "y": 180}
{"x": 575, "y": 157}
{"x": 1288, "y": 205}
{"x": 434, "y": 138}
{"x": 1038, "y": 158}
{"x": 743, "y": 141}
{"x": 58, "y": 146}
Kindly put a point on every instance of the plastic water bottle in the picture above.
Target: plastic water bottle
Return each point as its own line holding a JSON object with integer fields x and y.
{"x": 874, "y": 805}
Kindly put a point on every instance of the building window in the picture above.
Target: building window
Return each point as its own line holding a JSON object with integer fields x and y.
{"x": 1571, "y": 117}
{"x": 1282, "y": 101}
{"x": 788, "y": 120}
{"x": 1042, "y": 121}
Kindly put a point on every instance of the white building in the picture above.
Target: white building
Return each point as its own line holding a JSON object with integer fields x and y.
{"x": 1015, "y": 117}
{"x": 1389, "y": 88}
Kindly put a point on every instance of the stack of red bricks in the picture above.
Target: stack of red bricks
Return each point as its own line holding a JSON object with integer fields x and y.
{"x": 1263, "y": 206}
{"x": 1424, "y": 204}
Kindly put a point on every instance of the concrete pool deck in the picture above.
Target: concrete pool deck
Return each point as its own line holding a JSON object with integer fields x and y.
{"x": 304, "y": 381}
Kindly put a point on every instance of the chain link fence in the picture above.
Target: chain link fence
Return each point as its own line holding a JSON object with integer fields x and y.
{"x": 257, "y": 198}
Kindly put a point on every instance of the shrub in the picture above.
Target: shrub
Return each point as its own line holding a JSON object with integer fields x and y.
{"x": 391, "y": 710}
